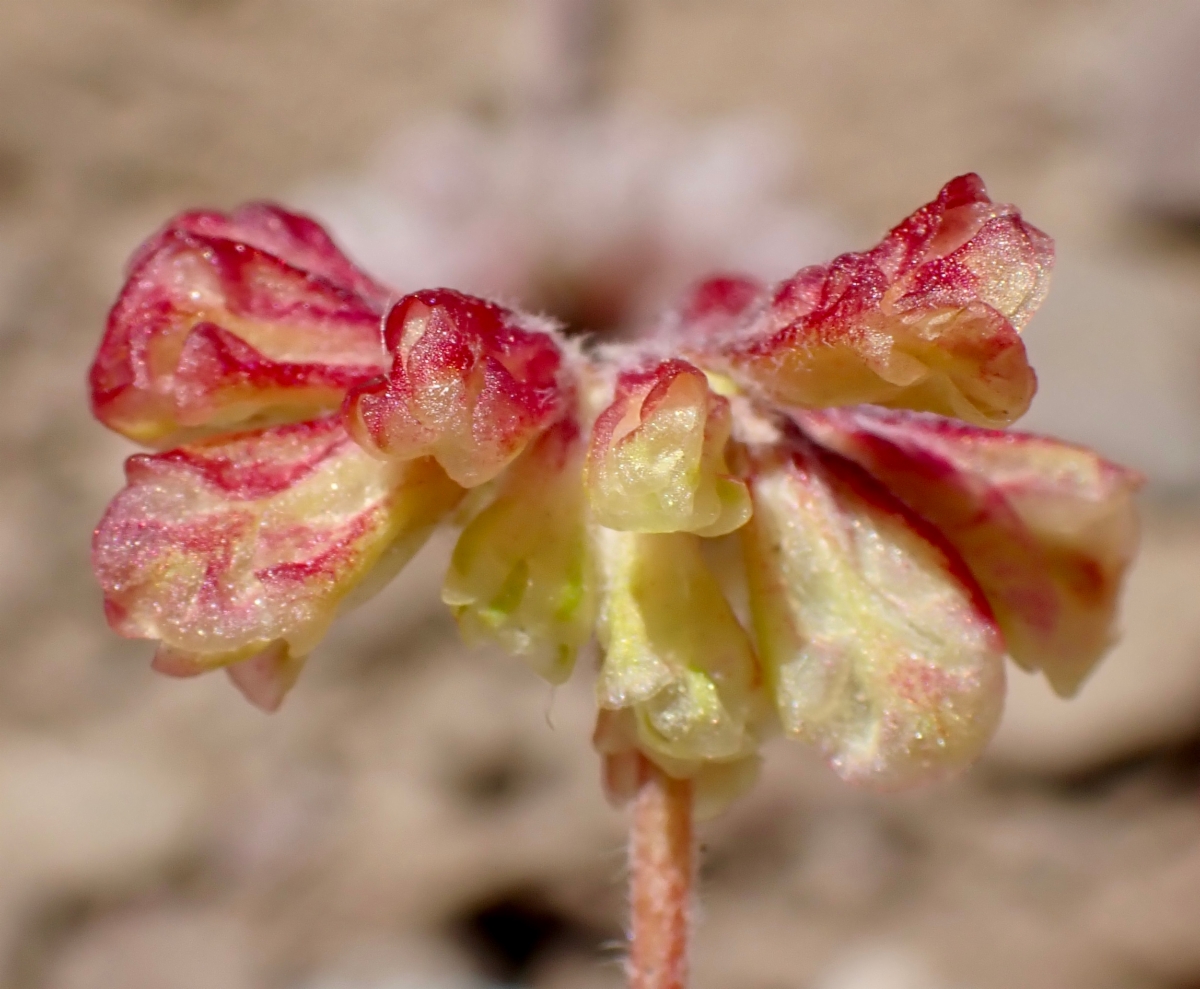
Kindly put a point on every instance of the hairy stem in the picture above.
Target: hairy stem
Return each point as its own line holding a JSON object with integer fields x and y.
{"x": 661, "y": 865}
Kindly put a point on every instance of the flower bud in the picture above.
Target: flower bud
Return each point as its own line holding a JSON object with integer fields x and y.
{"x": 521, "y": 573}
{"x": 657, "y": 456}
{"x": 673, "y": 650}
{"x": 715, "y": 783}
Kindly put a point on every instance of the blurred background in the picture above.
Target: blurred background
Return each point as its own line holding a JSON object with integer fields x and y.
{"x": 420, "y": 816}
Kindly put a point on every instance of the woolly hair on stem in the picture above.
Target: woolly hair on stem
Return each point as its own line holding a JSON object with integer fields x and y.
{"x": 661, "y": 865}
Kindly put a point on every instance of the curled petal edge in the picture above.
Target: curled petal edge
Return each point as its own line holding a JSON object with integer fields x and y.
{"x": 212, "y": 334}
{"x": 929, "y": 319}
{"x": 471, "y": 384}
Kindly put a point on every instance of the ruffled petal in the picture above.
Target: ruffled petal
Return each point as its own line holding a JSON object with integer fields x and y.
{"x": 927, "y": 320}
{"x": 673, "y": 650}
{"x": 521, "y": 573}
{"x": 294, "y": 238}
{"x": 471, "y": 384}
{"x": 215, "y": 332}
{"x": 656, "y": 462}
{"x": 1047, "y": 528}
{"x": 224, "y": 551}
{"x": 878, "y": 644}
{"x": 963, "y": 248}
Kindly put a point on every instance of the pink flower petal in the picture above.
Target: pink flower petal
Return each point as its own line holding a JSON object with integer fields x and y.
{"x": 928, "y": 319}
{"x": 1047, "y": 528}
{"x": 225, "y": 549}
{"x": 213, "y": 331}
{"x": 264, "y": 680}
{"x": 878, "y": 645}
{"x": 471, "y": 384}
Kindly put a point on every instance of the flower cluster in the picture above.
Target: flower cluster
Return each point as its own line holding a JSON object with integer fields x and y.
{"x": 787, "y": 508}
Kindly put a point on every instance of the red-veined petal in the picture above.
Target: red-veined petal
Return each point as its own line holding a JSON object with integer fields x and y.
{"x": 471, "y": 384}
{"x": 878, "y": 644}
{"x": 214, "y": 332}
{"x": 225, "y": 550}
{"x": 1047, "y": 528}
{"x": 928, "y": 319}
{"x": 294, "y": 238}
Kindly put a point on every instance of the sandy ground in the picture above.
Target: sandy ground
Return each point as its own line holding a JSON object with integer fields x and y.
{"x": 423, "y": 816}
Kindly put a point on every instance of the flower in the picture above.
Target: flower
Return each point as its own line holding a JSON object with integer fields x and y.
{"x": 787, "y": 509}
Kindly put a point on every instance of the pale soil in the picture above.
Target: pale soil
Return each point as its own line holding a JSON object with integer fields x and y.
{"x": 416, "y": 808}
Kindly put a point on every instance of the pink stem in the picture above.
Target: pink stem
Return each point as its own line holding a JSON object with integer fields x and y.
{"x": 661, "y": 866}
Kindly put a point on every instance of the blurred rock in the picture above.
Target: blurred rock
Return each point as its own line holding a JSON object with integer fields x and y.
{"x": 1117, "y": 352}
{"x": 398, "y": 963}
{"x": 76, "y": 817}
{"x": 879, "y": 966}
{"x": 1148, "y": 916}
{"x": 1156, "y": 132}
{"x": 159, "y": 948}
